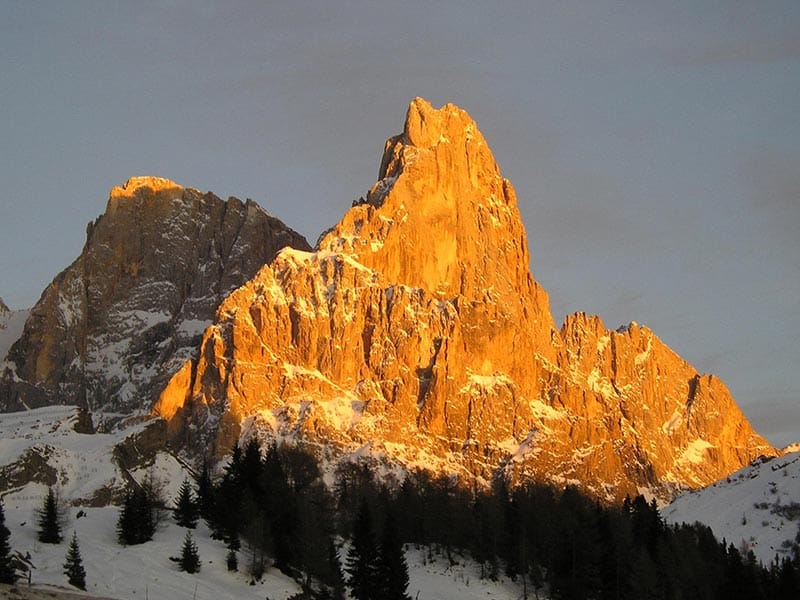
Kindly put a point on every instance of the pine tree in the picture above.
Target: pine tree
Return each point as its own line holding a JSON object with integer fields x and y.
{"x": 205, "y": 494}
{"x": 392, "y": 568}
{"x": 233, "y": 545}
{"x": 7, "y": 572}
{"x": 137, "y": 522}
{"x": 48, "y": 520}
{"x": 189, "y": 561}
{"x": 73, "y": 567}
{"x": 186, "y": 508}
{"x": 361, "y": 564}
{"x": 231, "y": 560}
{"x": 336, "y": 577}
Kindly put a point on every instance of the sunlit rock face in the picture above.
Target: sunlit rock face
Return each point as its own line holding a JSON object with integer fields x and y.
{"x": 416, "y": 332}
{"x": 111, "y": 329}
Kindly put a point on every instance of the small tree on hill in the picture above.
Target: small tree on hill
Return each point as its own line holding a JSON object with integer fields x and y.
{"x": 48, "y": 519}
{"x": 233, "y": 544}
{"x": 190, "y": 560}
{"x": 7, "y": 572}
{"x": 136, "y": 523}
{"x": 73, "y": 567}
{"x": 186, "y": 509}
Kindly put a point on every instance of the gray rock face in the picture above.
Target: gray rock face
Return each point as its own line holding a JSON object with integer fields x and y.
{"x": 3, "y": 308}
{"x": 111, "y": 329}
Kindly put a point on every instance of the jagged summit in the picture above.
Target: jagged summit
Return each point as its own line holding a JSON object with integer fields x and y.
{"x": 136, "y": 185}
{"x": 417, "y": 333}
{"x": 3, "y": 307}
{"x": 441, "y": 216}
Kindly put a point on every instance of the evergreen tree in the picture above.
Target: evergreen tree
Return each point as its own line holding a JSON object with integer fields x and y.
{"x": 137, "y": 521}
{"x": 189, "y": 561}
{"x": 7, "y": 573}
{"x": 186, "y": 510}
{"x": 205, "y": 494}
{"x": 126, "y": 526}
{"x": 335, "y": 576}
{"x": 73, "y": 567}
{"x": 232, "y": 561}
{"x": 48, "y": 519}
{"x": 226, "y": 517}
{"x": 233, "y": 545}
{"x": 361, "y": 564}
{"x": 392, "y": 569}
{"x": 280, "y": 508}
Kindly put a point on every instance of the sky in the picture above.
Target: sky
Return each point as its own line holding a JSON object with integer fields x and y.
{"x": 654, "y": 146}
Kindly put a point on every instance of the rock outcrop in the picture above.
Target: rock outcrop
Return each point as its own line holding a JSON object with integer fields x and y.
{"x": 111, "y": 329}
{"x": 415, "y": 331}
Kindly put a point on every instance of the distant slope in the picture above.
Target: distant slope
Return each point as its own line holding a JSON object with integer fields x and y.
{"x": 11, "y": 324}
{"x": 757, "y": 507}
{"x": 51, "y": 446}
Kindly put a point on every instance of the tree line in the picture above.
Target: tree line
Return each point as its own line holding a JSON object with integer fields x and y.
{"x": 271, "y": 508}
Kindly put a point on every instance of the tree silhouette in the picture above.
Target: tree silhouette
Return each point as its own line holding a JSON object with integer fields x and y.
{"x": 48, "y": 520}
{"x": 205, "y": 494}
{"x": 186, "y": 510}
{"x": 7, "y": 573}
{"x": 73, "y": 567}
{"x": 392, "y": 569}
{"x": 137, "y": 521}
{"x": 189, "y": 561}
{"x": 361, "y": 564}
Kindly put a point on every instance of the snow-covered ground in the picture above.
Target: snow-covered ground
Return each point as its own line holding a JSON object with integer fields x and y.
{"x": 756, "y": 508}
{"x": 145, "y": 571}
{"x": 142, "y": 571}
{"x": 83, "y": 463}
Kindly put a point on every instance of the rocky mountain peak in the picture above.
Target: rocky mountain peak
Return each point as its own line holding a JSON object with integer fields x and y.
{"x": 138, "y": 185}
{"x": 3, "y": 307}
{"x": 416, "y": 332}
{"x": 440, "y": 217}
{"x": 112, "y": 327}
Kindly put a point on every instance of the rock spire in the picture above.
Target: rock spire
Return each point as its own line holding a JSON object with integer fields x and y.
{"x": 416, "y": 331}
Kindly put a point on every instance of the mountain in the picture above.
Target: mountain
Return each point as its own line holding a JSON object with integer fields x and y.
{"x": 416, "y": 333}
{"x": 112, "y": 328}
{"x": 756, "y": 508}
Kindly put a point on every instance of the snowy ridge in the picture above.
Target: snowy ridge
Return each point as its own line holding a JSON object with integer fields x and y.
{"x": 756, "y": 508}
{"x": 41, "y": 447}
{"x": 11, "y": 324}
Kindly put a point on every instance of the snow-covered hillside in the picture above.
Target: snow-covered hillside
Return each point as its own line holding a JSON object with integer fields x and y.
{"x": 11, "y": 324}
{"x": 83, "y": 469}
{"x": 757, "y": 508}
{"x": 41, "y": 447}
{"x": 142, "y": 571}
